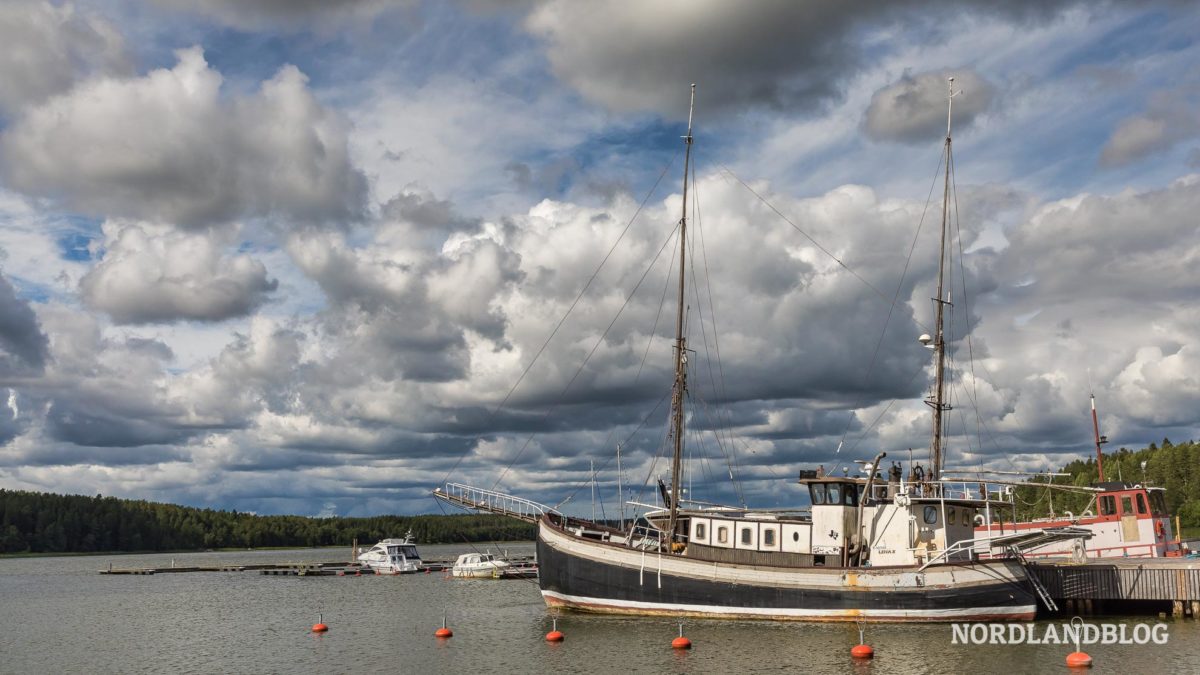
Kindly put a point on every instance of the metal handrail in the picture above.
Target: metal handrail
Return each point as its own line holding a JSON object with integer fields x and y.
{"x": 492, "y": 501}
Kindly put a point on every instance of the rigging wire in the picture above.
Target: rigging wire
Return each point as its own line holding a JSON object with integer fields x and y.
{"x": 586, "y": 286}
{"x": 595, "y": 346}
{"x": 824, "y": 250}
{"x": 895, "y": 299}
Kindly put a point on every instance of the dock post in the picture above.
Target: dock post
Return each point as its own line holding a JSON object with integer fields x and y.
{"x": 1195, "y": 609}
{"x": 1177, "y": 609}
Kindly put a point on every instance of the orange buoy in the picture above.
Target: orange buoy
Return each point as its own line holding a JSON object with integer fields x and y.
{"x": 319, "y": 626}
{"x": 862, "y": 652}
{"x": 681, "y": 642}
{"x": 443, "y": 632}
{"x": 1079, "y": 660}
{"x": 555, "y": 635}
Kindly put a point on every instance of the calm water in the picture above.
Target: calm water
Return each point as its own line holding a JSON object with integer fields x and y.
{"x": 58, "y": 615}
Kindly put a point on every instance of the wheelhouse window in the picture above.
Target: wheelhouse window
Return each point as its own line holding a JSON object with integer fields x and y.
{"x": 768, "y": 537}
{"x": 817, "y": 491}
{"x": 930, "y": 515}
{"x": 951, "y": 515}
{"x": 850, "y": 495}
{"x": 700, "y": 531}
{"x": 747, "y": 535}
{"x": 967, "y": 517}
{"x": 1158, "y": 505}
{"x": 1108, "y": 505}
{"x": 834, "y": 492}
{"x": 1141, "y": 502}
{"x": 1126, "y": 506}
{"x": 722, "y": 535}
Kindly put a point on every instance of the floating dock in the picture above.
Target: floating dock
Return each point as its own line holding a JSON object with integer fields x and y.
{"x": 1116, "y": 585}
{"x": 524, "y": 567}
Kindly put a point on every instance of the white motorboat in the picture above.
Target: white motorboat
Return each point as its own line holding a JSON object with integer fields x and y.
{"x": 392, "y": 556}
{"x": 479, "y": 566}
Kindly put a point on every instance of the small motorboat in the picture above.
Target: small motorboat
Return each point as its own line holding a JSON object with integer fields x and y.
{"x": 392, "y": 556}
{"x": 479, "y": 566}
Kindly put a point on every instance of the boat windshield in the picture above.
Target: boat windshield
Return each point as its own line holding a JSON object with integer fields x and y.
{"x": 409, "y": 551}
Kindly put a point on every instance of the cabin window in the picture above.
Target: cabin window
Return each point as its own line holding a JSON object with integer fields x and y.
{"x": 1108, "y": 505}
{"x": 1141, "y": 501}
{"x": 930, "y": 515}
{"x": 746, "y": 536}
{"x": 835, "y": 493}
{"x": 1126, "y": 506}
{"x": 966, "y": 517}
{"x": 700, "y": 530}
{"x": 851, "y": 495}
{"x": 768, "y": 537}
{"x": 722, "y": 535}
{"x": 950, "y": 516}
{"x": 818, "y": 493}
{"x": 1157, "y": 505}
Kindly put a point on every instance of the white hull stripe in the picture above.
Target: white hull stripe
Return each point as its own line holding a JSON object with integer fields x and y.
{"x": 599, "y": 604}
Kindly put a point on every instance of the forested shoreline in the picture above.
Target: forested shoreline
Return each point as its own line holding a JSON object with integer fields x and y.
{"x": 36, "y": 522}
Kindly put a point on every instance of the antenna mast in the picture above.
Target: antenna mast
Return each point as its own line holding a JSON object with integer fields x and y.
{"x": 937, "y": 401}
{"x": 1100, "y": 440}
{"x": 680, "y": 387}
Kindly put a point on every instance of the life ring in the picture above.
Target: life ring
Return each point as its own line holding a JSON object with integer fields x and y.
{"x": 1160, "y": 529}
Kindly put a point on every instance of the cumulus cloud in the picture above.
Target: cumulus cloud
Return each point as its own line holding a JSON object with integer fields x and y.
{"x": 782, "y": 55}
{"x": 1170, "y": 118}
{"x": 48, "y": 48}
{"x": 168, "y": 147}
{"x": 913, "y": 109}
{"x": 155, "y": 273}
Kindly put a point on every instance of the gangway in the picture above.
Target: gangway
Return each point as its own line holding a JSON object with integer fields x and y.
{"x": 491, "y": 501}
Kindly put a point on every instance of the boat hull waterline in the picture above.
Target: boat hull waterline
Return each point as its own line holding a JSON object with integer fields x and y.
{"x": 594, "y": 576}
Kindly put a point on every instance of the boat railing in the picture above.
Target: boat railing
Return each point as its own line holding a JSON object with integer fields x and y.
{"x": 491, "y": 501}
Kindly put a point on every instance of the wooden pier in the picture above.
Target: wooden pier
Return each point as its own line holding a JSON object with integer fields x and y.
{"x": 1114, "y": 585}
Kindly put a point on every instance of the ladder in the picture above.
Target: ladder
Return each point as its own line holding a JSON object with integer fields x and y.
{"x": 1033, "y": 580}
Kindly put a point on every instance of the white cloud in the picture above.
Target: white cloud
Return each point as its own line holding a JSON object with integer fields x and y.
{"x": 155, "y": 273}
{"x": 914, "y": 108}
{"x": 168, "y": 148}
{"x": 49, "y": 47}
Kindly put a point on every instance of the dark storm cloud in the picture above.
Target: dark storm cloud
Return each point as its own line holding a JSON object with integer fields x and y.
{"x": 288, "y": 14}
{"x": 781, "y": 55}
{"x": 24, "y": 346}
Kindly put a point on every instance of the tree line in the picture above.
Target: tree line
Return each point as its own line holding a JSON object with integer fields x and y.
{"x": 1174, "y": 466}
{"x": 37, "y": 522}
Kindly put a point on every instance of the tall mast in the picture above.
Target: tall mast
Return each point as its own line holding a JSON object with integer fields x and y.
{"x": 1100, "y": 440}
{"x": 680, "y": 387}
{"x": 938, "y": 402}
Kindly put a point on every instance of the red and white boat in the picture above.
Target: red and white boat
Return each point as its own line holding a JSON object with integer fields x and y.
{"x": 1127, "y": 520}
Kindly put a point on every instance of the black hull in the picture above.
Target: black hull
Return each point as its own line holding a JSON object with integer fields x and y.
{"x": 585, "y": 583}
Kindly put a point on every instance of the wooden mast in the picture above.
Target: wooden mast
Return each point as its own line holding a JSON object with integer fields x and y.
{"x": 680, "y": 387}
{"x": 938, "y": 402}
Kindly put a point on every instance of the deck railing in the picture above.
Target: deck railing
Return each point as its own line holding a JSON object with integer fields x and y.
{"x": 491, "y": 501}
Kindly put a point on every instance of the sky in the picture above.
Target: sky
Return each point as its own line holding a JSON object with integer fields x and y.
{"x": 320, "y": 257}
